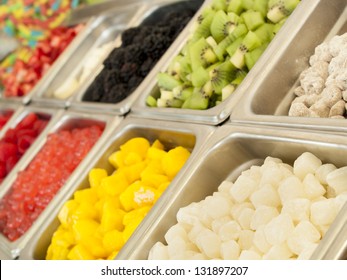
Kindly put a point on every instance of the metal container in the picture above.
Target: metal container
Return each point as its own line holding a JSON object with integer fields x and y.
{"x": 102, "y": 30}
{"x": 125, "y": 105}
{"x": 62, "y": 120}
{"x": 222, "y": 111}
{"x": 231, "y": 150}
{"x": 268, "y": 99}
{"x": 17, "y": 117}
{"x": 170, "y": 134}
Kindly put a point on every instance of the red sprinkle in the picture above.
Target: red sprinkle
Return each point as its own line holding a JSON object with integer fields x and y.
{"x": 36, "y": 186}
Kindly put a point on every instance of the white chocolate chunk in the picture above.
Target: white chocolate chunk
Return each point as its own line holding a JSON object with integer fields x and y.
{"x": 243, "y": 188}
{"x": 312, "y": 187}
{"x": 306, "y": 163}
{"x": 249, "y": 255}
{"x": 291, "y": 188}
{"x": 230, "y": 250}
{"x": 246, "y": 239}
{"x": 298, "y": 209}
{"x": 262, "y": 216}
{"x": 323, "y": 212}
{"x": 158, "y": 252}
{"x": 266, "y": 196}
{"x": 259, "y": 240}
{"x": 279, "y": 229}
{"x": 229, "y": 231}
{"x": 278, "y": 252}
{"x": 337, "y": 179}
{"x": 209, "y": 243}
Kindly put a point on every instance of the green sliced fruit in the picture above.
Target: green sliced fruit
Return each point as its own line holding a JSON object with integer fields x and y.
{"x": 167, "y": 82}
{"x": 253, "y": 19}
{"x": 280, "y": 9}
{"x": 235, "y": 6}
{"x": 199, "y": 77}
{"x": 252, "y": 57}
{"x": 151, "y": 101}
{"x": 201, "y": 54}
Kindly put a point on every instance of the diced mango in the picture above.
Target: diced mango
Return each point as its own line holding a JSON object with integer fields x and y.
{"x": 117, "y": 159}
{"x": 84, "y": 228}
{"x": 115, "y": 184}
{"x": 137, "y": 145}
{"x": 95, "y": 177}
{"x": 174, "y": 160}
{"x": 133, "y": 215}
{"x": 79, "y": 252}
{"x": 86, "y": 195}
{"x": 66, "y": 212}
{"x": 85, "y": 210}
{"x": 113, "y": 241}
{"x": 157, "y": 144}
{"x": 113, "y": 255}
{"x": 132, "y": 158}
{"x": 57, "y": 253}
{"x": 133, "y": 172}
{"x": 129, "y": 229}
{"x": 155, "y": 153}
{"x": 112, "y": 217}
{"x": 137, "y": 195}
{"x": 94, "y": 245}
{"x": 149, "y": 178}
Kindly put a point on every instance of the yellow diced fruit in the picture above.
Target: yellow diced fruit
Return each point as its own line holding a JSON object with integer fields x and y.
{"x": 117, "y": 159}
{"x": 86, "y": 195}
{"x": 137, "y": 145}
{"x": 136, "y": 196}
{"x": 112, "y": 217}
{"x": 66, "y": 212}
{"x": 63, "y": 238}
{"x": 84, "y": 228}
{"x": 132, "y": 158}
{"x": 133, "y": 172}
{"x": 157, "y": 144}
{"x": 129, "y": 229}
{"x": 174, "y": 160}
{"x": 136, "y": 214}
{"x": 85, "y": 210}
{"x": 113, "y": 241}
{"x": 163, "y": 187}
{"x": 79, "y": 252}
{"x": 99, "y": 206}
{"x": 155, "y": 153}
{"x": 95, "y": 177}
{"x": 95, "y": 246}
{"x": 55, "y": 252}
{"x": 113, "y": 256}
{"x": 114, "y": 184}
{"x": 149, "y": 178}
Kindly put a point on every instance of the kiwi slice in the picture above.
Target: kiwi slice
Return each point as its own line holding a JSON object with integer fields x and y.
{"x": 231, "y": 49}
{"x": 182, "y": 92}
{"x": 202, "y": 29}
{"x": 247, "y": 4}
{"x": 221, "y": 75}
{"x": 172, "y": 103}
{"x": 265, "y": 32}
{"x": 199, "y": 77}
{"x": 252, "y": 19}
{"x": 167, "y": 82}
{"x": 179, "y": 68}
{"x": 235, "y": 6}
{"x": 252, "y": 57}
{"x": 239, "y": 31}
{"x": 223, "y": 24}
{"x": 230, "y": 88}
{"x": 249, "y": 43}
{"x": 199, "y": 100}
{"x": 261, "y": 6}
{"x": 201, "y": 54}
{"x": 278, "y": 10}
{"x": 219, "y": 5}
{"x": 278, "y": 26}
{"x": 151, "y": 101}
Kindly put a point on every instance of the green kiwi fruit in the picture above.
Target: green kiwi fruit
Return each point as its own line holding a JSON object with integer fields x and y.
{"x": 221, "y": 75}
{"x": 235, "y": 6}
{"x": 223, "y": 24}
{"x": 253, "y": 19}
{"x": 167, "y": 82}
{"x": 201, "y": 54}
{"x": 278, "y": 10}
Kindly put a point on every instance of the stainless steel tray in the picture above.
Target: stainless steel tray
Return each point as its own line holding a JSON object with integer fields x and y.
{"x": 102, "y": 30}
{"x": 170, "y": 134}
{"x": 231, "y": 150}
{"x": 219, "y": 113}
{"x": 125, "y": 105}
{"x": 62, "y": 120}
{"x": 268, "y": 99}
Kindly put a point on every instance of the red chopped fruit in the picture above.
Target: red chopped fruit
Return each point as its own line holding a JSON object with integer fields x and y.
{"x": 36, "y": 186}
{"x": 24, "y": 75}
{"x": 4, "y": 117}
{"x": 17, "y": 140}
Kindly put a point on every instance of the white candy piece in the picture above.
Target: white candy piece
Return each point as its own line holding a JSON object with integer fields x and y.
{"x": 266, "y": 195}
{"x": 158, "y": 252}
{"x": 236, "y": 209}
{"x": 323, "y": 171}
{"x": 242, "y": 188}
{"x": 298, "y": 209}
{"x": 229, "y": 231}
{"x": 304, "y": 234}
{"x": 225, "y": 186}
{"x": 218, "y": 223}
{"x": 176, "y": 247}
{"x": 312, "y": 187}
{"x": 278, "y": 252}
{"x": 291, "y": 188}
{"x": 230, "y": 250}
{"x": 279, "y": 229}
{"x": 209, "y": 243}
{"x": 308, "y": 251}
{"x": 255, "y": 173}
{"x": 195, "y": 231}
{"x": 337, "y": 179}
{"x": 249, "y": 255}
{"x": 245, "y": 218}
{"x": 246, "y": 239}
{"x": 272, "y": 159}
{"x": 174, "y": 231}
{"x": 259, "y": 240}
{"x": 189, "y": 215}
{"x": 272, "y": 174}
{"x": 217, "y": 207}
{"x": 262, "y": 216}
{"x": 340, "y": 201}
{"x": 323, "y": 212}
{"x": 306, "y": 163}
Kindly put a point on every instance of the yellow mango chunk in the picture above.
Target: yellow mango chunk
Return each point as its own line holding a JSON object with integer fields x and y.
{"x": 129, "y": 229}
{"x": 94, "y": 245}
{"x": 149, "y": 178}
{"x": 132, "y": 158}
{"x": 66, "y": 212}
{"x": 85, "y": 210}
{"x": 112, "y": 217}
{"x": 137, "y": 145}
{"x": 99, "y": 206}
{"x": 136, "y": 214}
{"x": 157, "y": 144}
{"x": 155, "y": 153}
{"x": 95, "y": 176}
{"x": 113, "y": 255}
{"x": 79, "y": 252}
{"x": 86, "y": 195}
{"x": 133, "y": 172}
{"x": 113, "y": 241}
{"x": 57, "y": 253}
{"x": 174, "y": 160}
{"x": 117, "y": 159}
{"x": 84, "y": 228}
{"x": 114, "y": 184}
{"x": 163, "y": 187}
